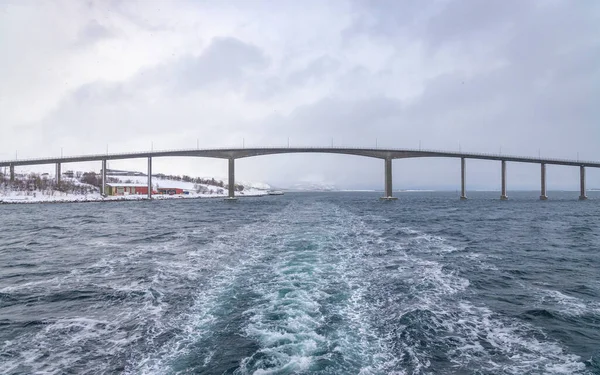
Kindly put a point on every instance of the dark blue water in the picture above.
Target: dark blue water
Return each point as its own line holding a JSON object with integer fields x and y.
{"x": 336, "y": 283}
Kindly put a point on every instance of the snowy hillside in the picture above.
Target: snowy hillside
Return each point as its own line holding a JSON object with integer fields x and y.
{"x": 23, "y": 192}
{"x": 206, "y": 190}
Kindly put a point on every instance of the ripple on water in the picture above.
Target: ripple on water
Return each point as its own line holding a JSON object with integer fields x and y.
{"x": 308, "y": 286}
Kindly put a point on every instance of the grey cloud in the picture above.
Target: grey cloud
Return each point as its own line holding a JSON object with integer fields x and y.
{"x": 466, "y": 20}
{"x": 99, "y": 107}
{"x": 521, "y": 75}
{"x": 546, "y": 68}
{"x": 264, "y": 88}
{"x": 102, "y": 92}
{"x": 315, "y": 70}
{"x": 93, "y": 32}
{"x": 353, "y": 122}
{"x": 385, "y": 19}
{"x": 225, "y": 60}
{"x": 541, "y": 90}
{"x": 497, "y": 109}
{"x": 347, "y": 117}
{"x": 130, "y": 10}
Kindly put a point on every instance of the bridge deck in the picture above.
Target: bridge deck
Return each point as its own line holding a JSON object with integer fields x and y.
{"x": 238, "y": 153}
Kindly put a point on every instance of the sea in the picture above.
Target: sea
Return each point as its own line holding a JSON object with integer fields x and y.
{"x": 304, "y": 283}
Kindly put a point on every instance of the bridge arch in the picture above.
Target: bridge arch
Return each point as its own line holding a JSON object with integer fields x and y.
{"x": 388, "y": 155}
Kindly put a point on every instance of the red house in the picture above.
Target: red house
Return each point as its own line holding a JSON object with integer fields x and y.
{"x": 169, "y": 191}
{"x": 126, "y": 189}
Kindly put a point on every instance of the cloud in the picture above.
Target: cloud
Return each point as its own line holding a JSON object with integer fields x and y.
{"x": 225, "y": 60}
{"x": 314, "y": 71}
{"x": 521, "y": 76}
{"x": 92, "y": 33}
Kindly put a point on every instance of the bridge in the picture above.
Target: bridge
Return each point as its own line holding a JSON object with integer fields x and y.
{"x": 387, "y": 155}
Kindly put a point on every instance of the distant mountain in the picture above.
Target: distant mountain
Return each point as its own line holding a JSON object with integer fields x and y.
{"x": 312, "y": 186}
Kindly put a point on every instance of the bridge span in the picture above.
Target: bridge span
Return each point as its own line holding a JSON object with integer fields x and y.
{"x": 388, "y": 155}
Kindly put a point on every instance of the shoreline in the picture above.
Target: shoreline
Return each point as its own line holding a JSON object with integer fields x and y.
{"x": 105, "y": 200}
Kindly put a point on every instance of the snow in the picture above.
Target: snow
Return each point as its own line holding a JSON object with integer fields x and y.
{"x": 255, "y": 185}
{"x": 313, "y": 186}
{"x": 11, "y": 196}
{"x": 157, "y": 182}
{"x": 121, "y": 184}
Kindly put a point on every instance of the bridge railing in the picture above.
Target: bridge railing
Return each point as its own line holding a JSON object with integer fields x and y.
{"x": 225, "y": 149}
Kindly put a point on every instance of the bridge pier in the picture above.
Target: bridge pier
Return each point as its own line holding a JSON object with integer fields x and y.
{"x": 231, "y": 183}
{"x": 103, "y": 172}
{"x": 582, "y": 195}
{"x": 12, "y": 173}
{"x": 150, "y": 177}
{"x": 503, "y": 196}
{"x": 463, "y": 179}
{"x": 543, "y": 195}
{"x": 58, "y": 173}
{"x": 388, "y": 181}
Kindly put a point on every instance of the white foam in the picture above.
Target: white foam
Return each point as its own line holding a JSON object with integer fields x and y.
{"x": 109, "y": 328}
{"x": 512, "y": 347}
{"x": 565, "y": 304}
{"x": 446, "y": 318}
{"x": 197, "y": 324}
{"x": 522, "y": 346}
{"x": 308, "y": 273}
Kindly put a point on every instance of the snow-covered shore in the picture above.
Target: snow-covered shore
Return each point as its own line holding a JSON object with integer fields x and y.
{"x": 193, "y": 191}
{"x": 21, "y": 197}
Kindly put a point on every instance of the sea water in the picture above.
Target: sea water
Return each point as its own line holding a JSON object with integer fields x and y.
{"x": 313, "y": 283}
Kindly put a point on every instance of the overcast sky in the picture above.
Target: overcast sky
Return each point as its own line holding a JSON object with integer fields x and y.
{"x": 517, "y": 77}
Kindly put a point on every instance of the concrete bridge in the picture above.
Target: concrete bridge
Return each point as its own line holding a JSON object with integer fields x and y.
{"x": 387, "y": 155}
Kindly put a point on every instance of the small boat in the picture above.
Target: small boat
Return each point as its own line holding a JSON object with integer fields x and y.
{"x": 275, "y": 192}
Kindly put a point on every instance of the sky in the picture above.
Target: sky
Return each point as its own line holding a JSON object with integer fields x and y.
{"x": 515, "y": 77}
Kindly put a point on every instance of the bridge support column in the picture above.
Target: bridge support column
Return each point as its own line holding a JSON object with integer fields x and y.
{"x": 543, "y": 195}
{"x": 103, "y": 172}
{"x": 231, "y": 182}
{"x": 503, "y": 196}
{"x": 150, "y": 177}
{"x": 463, "y": 179}
{"x": 582, "y": 195}
{"x": 388, "y": 180}
{"x": 58, "y": 173}
{"x": 12, "y": 173}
